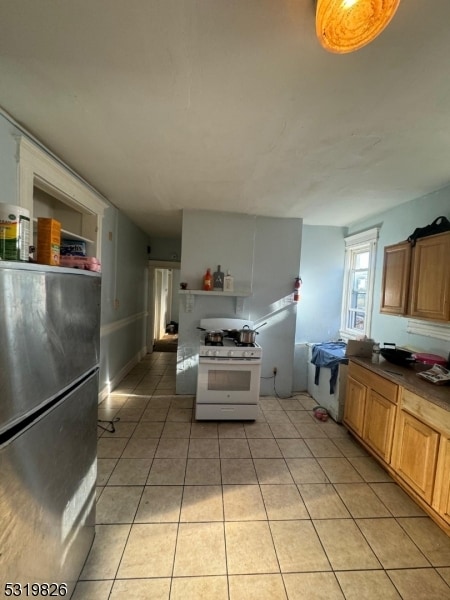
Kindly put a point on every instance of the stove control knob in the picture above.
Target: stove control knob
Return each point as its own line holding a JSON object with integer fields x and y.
{"x": 216, "y": 353}
{"x": 208, "y": 353}
{"x": 245, "y": 354}
{"x": 231, "y": 353}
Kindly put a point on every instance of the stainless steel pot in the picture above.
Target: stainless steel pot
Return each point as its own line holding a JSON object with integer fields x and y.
{"x": 247, "y": 335}
{"x": 212, "y": 337}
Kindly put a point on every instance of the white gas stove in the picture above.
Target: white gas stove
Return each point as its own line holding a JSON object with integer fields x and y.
{"x": 230, "y": 349}
{"x": 228, "y": 373}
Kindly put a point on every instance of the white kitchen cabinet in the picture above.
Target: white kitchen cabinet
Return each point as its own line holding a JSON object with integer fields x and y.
{"x": 49, "y": 189}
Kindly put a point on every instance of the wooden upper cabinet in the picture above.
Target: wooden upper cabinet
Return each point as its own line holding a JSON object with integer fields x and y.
{"x": 430, "y": 278}
{"x": 395, "y": 287}
{"x": 416, "y": 281}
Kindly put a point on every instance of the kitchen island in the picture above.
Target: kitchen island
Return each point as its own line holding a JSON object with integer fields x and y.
{"x": 404, "y": 422}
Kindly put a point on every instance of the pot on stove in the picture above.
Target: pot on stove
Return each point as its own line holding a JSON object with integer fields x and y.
{"x": 247, "y": 335}
{"x": 212, "y": 337}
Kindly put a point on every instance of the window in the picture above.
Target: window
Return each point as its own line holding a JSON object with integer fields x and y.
{"x": 360, "y": 252}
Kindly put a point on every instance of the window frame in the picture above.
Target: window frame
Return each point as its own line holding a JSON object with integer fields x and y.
{"x": 365, "y": 241}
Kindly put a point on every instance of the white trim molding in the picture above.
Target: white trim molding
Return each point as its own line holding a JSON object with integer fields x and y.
{"x": 365, "y": 240}
{"x": 364, "y": 237}
{"x": 433, "y": 330}
{"x": 121, "y": 323}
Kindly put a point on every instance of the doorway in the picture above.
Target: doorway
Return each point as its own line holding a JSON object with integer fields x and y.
{"x": 164, "y": 279}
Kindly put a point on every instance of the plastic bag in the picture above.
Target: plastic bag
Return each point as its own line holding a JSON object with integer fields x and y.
{"x": 439, "y": 225}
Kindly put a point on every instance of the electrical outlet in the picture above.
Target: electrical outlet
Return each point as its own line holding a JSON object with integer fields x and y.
{"x": 275, "y": 371}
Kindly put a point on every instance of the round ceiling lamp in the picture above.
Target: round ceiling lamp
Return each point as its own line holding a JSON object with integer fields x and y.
{"x": 346, "y": 25}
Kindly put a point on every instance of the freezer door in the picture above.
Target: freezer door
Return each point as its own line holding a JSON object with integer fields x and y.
{"x": 49, "y": 336}
{"x": 47, "y": 493}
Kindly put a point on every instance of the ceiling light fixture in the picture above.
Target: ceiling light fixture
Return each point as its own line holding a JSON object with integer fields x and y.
{"x": 346, "y": 25}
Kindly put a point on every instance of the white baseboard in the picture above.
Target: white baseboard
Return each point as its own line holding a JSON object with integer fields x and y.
{"x": 114, "y": 382}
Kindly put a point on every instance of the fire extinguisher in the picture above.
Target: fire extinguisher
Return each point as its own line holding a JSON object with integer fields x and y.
{"x": 297, "y": 286}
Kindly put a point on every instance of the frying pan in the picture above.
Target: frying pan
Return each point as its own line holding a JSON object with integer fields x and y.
{"x": 403, "y": 358}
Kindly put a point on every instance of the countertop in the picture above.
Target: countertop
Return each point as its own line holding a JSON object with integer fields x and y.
{"x": 408, "y": 378}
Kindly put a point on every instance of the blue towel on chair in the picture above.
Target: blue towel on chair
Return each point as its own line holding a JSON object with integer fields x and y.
{"x": 330, "y": 355}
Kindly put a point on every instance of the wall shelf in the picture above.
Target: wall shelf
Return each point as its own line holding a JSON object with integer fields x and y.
{"x": 65, "y": 234}
{"x": 189, "y": 297}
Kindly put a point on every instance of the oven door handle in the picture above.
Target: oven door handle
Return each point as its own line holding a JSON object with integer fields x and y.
{"x": 229, "y": 361}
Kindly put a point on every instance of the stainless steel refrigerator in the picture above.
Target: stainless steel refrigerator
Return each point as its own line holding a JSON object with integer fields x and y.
{"x": 49, "y": 356}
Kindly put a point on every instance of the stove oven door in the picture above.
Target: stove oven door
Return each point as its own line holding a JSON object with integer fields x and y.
{"x": 229, "y": 387}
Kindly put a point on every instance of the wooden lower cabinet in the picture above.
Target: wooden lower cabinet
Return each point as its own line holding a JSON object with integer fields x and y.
{"x": 415, "y": 454}
{"x": 379, "y": 424}
{"x": 406, "y": 433}
{"x": 441, "y": 499}
{"x": 355, "y": 404}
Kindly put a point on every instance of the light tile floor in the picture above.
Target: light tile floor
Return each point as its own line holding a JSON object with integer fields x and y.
{"x": 283, "y": 508}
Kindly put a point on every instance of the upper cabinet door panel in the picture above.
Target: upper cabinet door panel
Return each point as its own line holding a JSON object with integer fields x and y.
{"x": 430, "y": 278}
{"x": 396, "y": 269}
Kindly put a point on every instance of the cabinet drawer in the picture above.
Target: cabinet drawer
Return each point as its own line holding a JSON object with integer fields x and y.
{"x": 382, "y": 386}
{"x": 435, "y": 416}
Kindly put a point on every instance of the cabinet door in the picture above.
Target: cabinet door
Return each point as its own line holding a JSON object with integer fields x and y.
{"x": 430, "y": 278}
{"x": 415, "y": 454}
{"x": 379, "y": 424}
{"x": 441, "y": 500}
{"x": 355, "y": 404}
{"x": 396, "y": 268}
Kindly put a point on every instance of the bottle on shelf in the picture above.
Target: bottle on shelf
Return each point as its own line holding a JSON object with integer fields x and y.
{"x": 228, "y": 282}
{"x": 218, "y": 280}
{"x": 207, "y": 281}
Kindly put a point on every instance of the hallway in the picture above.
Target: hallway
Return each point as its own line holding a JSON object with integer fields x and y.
{"x": 283, "y": 508}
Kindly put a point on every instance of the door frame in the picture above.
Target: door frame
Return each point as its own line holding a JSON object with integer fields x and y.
{"x": 153, "y": 265}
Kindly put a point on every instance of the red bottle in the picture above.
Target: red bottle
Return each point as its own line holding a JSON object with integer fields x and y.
{"x": 207, "y": 281}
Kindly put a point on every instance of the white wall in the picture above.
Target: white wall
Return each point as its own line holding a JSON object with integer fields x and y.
{"x": 124, "y": 297}
{"x": 322, "y": 271}
{"x": 175, "y": 299}
{"x": 319, "y": 308}
{"x": 8, "y": 166}
{"x": 263, "y": 255}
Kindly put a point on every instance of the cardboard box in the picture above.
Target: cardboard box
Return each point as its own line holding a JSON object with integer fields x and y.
{"x": 73, "y": 248}
{"x": 48, "y": 241}
{"x": 361, "y": 348}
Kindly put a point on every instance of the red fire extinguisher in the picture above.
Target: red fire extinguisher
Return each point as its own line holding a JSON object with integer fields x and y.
{"x": 297, "y": 286}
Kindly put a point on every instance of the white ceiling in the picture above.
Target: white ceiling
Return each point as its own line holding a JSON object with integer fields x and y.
{"x": 231, "y": 105}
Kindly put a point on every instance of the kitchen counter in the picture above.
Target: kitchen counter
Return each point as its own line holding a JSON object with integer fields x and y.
{"x": 408, "y": 378}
